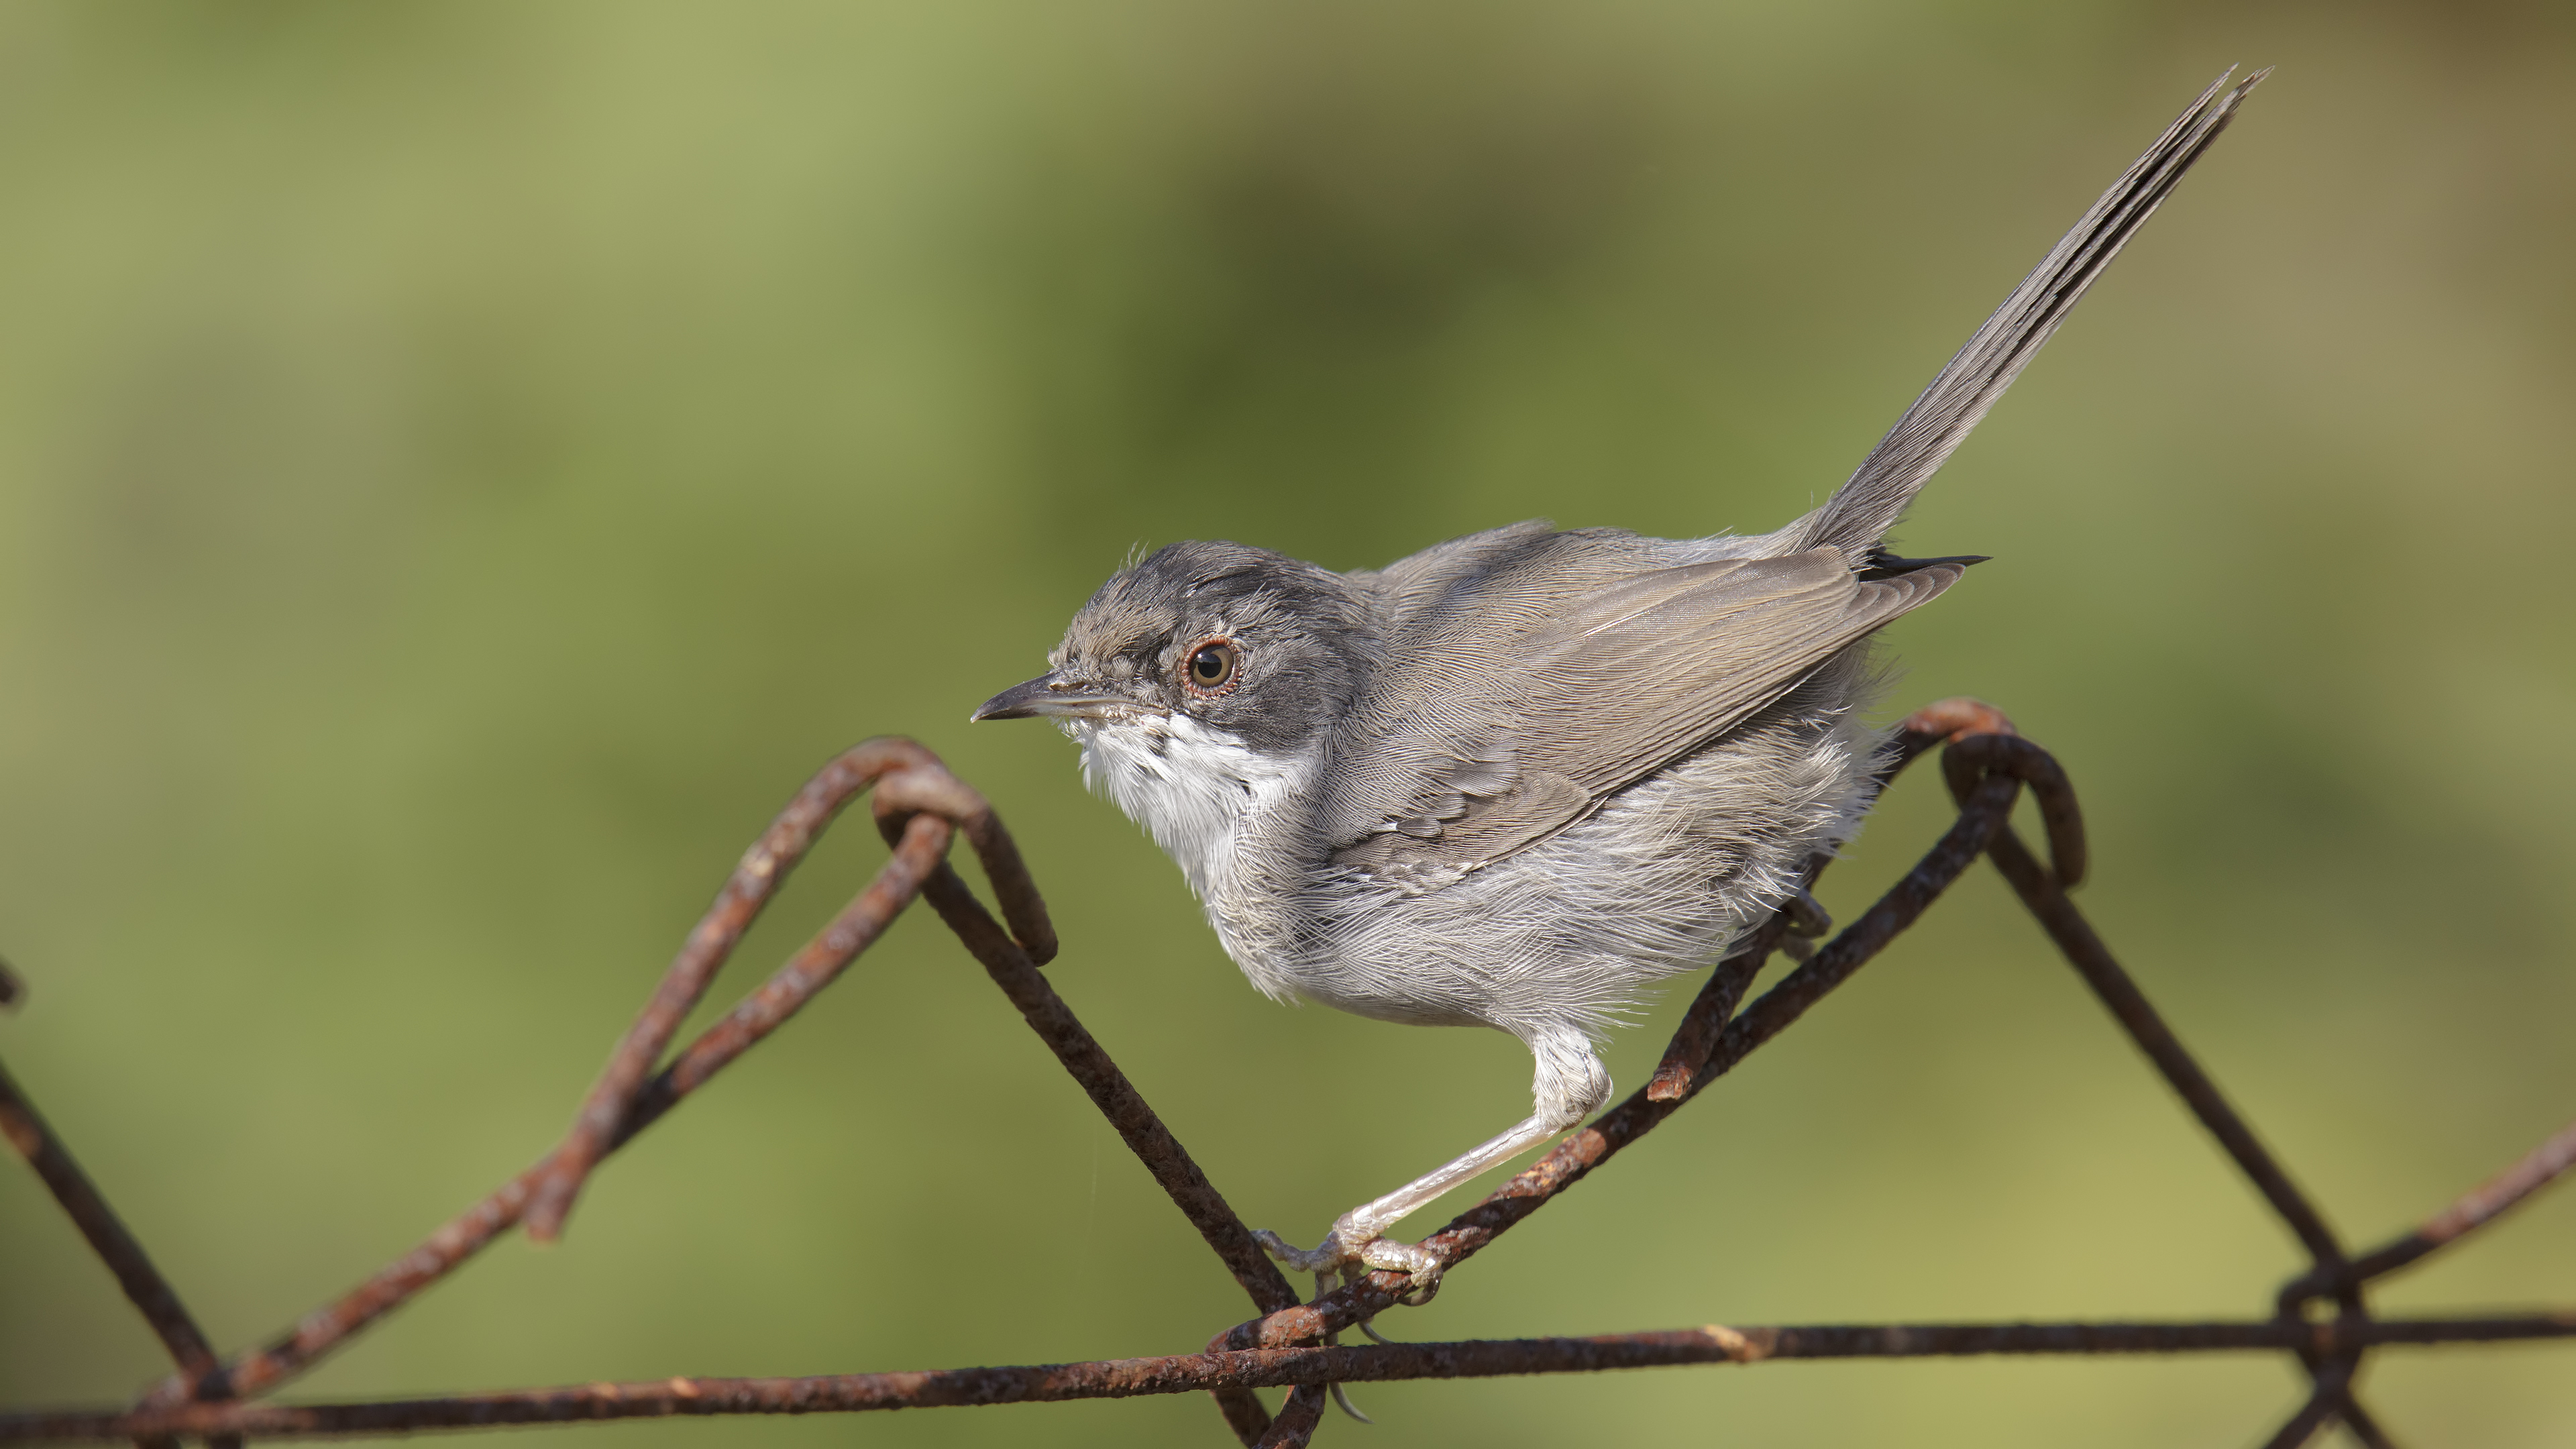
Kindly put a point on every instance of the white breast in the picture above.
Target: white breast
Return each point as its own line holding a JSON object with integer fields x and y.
{"x": 1194, "y": 789}
{"x": 1190, "y": 786}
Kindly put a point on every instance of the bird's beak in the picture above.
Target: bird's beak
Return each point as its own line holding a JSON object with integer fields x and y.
{"x": 1047, "y": 697}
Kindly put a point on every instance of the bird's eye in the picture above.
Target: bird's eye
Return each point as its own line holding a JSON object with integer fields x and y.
{"x": 1211, "y": 666}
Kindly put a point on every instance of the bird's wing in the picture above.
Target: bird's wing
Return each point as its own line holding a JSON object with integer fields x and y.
{"x": 1468, "y": 746}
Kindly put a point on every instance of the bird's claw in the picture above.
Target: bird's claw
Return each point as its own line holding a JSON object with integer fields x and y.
{"x": 1350, "y": 1248}
{"x": 1326, "y": 1257}
{"x": 1808, "y": 924}
{"x": 1411, "y": 1259}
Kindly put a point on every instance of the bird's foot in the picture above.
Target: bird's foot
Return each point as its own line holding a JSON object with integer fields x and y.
{"x": 1808, "y": 924}
{"x": 1353, "y": 1246}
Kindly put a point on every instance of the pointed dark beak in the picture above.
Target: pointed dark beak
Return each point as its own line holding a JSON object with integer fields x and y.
{"x": 1048, "y": 697}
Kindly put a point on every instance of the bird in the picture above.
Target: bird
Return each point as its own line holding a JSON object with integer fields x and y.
{"x": 1515, "y": 779}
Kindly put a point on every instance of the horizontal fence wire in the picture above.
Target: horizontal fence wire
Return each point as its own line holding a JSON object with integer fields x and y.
{"x": 2322, "y": 1319}
{"x": 1278, "y": 1368}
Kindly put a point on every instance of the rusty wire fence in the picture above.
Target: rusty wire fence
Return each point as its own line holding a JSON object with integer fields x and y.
{"x": 2322, "y": 1316}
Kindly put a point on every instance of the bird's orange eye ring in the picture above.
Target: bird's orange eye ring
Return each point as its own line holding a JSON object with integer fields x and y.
{"x": 1211, "y": 667}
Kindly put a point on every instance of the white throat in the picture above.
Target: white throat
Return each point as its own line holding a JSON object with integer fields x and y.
{"x": 1191, "y": 786}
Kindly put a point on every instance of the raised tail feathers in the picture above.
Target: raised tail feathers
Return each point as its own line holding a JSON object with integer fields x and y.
{"x": 1867, "y": 505}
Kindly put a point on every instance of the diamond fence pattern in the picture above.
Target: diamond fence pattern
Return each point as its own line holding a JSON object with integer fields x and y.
{"x": 2322, "y": 1317}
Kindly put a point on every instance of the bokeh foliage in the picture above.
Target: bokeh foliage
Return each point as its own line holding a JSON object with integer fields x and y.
{"x": 462, "y": 465}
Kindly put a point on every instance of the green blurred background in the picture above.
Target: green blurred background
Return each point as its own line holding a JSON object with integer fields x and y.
{"x": 462, "y": 466}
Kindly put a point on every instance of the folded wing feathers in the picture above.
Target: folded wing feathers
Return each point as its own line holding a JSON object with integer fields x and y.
{"x": 1672, "y": 681}
{"x": 1611, "y": 688}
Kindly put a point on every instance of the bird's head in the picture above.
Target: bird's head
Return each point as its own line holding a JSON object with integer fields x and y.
{"x": 1253, "y": 645}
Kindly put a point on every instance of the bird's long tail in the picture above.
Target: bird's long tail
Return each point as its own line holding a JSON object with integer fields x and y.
{"x": 1862, "y": 510}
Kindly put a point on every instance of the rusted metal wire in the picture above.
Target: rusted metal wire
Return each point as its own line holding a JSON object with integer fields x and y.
{"x": 2325, "y": 1401}
{"x": 764, "y": 869}
{"x": 107, "y": 1236}
{"x": 920, "y": 807}
{"x": 2475, "y": 1208}
{"x": 911, "y": 785}
{"x": 1136, "y": 1123}
{"x": 785, "y": 993}
{"x": 149, "y": 1292}
{"x": 1307, "y": 1367}
{"x": 1988, "y": 744}
{"x": 1298, "y": 1419}
{"x": 2092, "y": 960}
{"x": 2043, "y": 894}
{"x": 2075, "y": 939}
{"x": 915, "y": 859}
{"x": 1244, "y": 1413}
{"x": 2343, "y": 1282}
{"x": 2356, "y": 1420}
{"x": 1110, "y": 1091}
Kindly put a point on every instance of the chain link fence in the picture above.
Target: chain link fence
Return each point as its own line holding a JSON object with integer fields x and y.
{"x": 2322, "y": 1319}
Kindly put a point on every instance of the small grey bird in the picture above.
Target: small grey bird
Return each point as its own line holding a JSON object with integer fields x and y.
{"x": 1514, "y": 778}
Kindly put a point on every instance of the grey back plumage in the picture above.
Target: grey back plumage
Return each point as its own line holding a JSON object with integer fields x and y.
{"x": 1527, "y": 676}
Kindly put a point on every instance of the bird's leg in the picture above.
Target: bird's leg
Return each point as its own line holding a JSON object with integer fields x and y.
{"x": 1569, "y": 1084}
{"x": 1358, "y": 1235}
